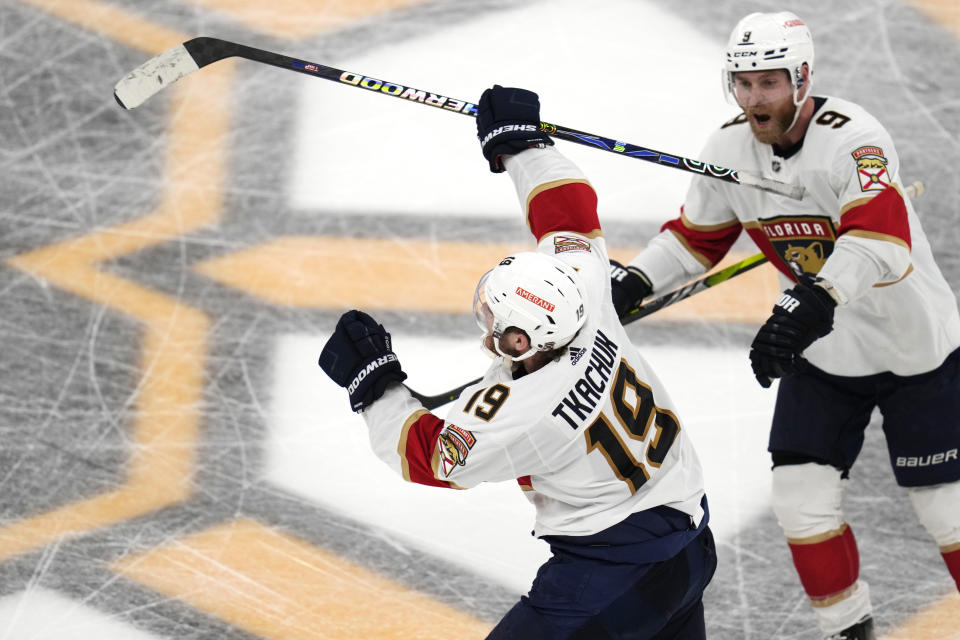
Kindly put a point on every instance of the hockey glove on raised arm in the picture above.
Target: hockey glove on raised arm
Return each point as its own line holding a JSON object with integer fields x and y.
{"x": 800, "y": 316}
{"x": 629, "y": 287}
{"x": 508, "y": 122}
{"x": 359, "y": 358}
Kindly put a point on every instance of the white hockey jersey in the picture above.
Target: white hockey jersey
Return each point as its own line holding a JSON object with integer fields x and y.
{"x": 592, "y": 437}
{"x": 855, "y": 227}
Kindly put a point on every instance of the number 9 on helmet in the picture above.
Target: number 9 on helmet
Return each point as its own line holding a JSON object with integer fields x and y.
{"x": 535, "y": 293}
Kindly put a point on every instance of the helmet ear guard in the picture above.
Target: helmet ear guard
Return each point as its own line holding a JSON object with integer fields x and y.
{"x": 768, "y": 41}
{"x": 536, "y": 293}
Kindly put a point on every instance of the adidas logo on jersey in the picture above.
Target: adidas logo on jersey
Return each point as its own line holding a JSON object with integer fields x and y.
{"x": 575, "y": 354}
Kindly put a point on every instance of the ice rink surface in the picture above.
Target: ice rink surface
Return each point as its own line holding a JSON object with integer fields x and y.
{"x": 174, "y": 465}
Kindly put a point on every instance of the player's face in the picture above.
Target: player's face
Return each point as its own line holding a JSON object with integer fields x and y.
{"x": 766, "y": 98}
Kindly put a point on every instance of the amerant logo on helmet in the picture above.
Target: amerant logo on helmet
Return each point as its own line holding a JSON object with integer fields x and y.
{"x": 537, "y": 300}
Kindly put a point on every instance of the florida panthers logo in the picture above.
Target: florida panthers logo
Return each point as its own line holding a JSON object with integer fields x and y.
{"x": 797, "y": 244}
{"x": 871, "y": 168}
{"x": 453, "y": 446}
{"x": 805, "y": 258}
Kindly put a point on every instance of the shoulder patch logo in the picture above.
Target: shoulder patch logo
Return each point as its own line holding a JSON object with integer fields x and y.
{"x": 871, "y": 168}
{"x": 453, "y": 445}
{"x": 563, "y": 244}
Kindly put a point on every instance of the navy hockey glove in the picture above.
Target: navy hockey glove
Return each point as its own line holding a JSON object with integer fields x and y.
{"x": 508, "y": 122}
{"x": 359, "y": 358}
{"x": 629, "y": 287}
{"x": 801, "y": 315}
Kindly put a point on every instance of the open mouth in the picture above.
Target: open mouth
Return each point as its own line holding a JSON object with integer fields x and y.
{"x": 761, "y": 119}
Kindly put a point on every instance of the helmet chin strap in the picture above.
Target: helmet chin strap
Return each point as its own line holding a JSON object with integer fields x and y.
{"x": 798, "y": 104}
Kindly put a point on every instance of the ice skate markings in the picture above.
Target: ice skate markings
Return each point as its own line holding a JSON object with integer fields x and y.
{"x": 119, "y": 25}
{"x": 296, "y": 19}
{"x": 934, "y": 622}
{"x": 423, "y": 275}
{"x": 942, "y": 11}
{"x": 165, "y": 419}
{"x": 281, "y": 588}
{"x": 41, "y": 614}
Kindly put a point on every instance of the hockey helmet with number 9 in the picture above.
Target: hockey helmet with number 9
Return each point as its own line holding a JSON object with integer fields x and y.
{"x": 766, "y": 41}
{"x": 534, "y": 292}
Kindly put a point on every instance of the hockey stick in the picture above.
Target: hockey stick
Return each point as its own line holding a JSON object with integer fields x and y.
{"x": 913, "y": 190}
{"x": 168, "y": 67}
{"x": 432, "y": 402}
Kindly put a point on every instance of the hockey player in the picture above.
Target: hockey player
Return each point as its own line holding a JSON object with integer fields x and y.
{"x": 568, "y": 409}
{"x": 867, "y": 319}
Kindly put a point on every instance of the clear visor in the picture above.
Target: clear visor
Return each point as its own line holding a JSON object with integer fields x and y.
{"x": 756, "y": 88}
{"x": 481, "y": 310}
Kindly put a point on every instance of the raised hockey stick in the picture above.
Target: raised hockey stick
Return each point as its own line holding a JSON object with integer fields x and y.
{"x": 168, "y": 67}
{"x": 914, "y": 190}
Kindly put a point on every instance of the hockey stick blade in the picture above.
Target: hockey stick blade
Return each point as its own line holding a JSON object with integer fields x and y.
{"x": 163, "y": 70}
{"x": 153, "y": 76}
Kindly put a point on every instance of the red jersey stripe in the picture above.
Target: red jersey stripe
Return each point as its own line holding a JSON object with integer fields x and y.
{"x": 883, "y": 217}
{"x": 418, "y": 441}
{"x": 707, "y": 245}
{"x": 563, "y": 206}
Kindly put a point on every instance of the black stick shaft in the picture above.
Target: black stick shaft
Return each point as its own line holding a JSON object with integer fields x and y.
{"x": 206, "y": 51}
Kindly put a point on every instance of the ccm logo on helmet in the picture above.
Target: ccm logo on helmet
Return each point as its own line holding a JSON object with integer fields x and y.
{"x": 537, "y": 300}
{"x": 370, "y": 368}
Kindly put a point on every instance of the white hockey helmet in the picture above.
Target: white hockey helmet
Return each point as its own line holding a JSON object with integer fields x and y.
{"x": 536, "y": 293}
{"x": 764, "y": 41}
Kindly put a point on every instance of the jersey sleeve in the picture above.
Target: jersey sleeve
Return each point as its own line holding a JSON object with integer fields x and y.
{"x": 561, "y": 210}
{"x": 873, "y": 236}
{"x": 554, "y": 193}
{"x": 482, "y": 442}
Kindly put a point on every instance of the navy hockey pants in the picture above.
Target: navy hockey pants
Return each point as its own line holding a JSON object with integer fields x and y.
{"x": 601, "y": 595}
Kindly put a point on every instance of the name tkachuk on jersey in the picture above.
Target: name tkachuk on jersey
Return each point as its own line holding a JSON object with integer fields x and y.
{"x": 581, "y": 399}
